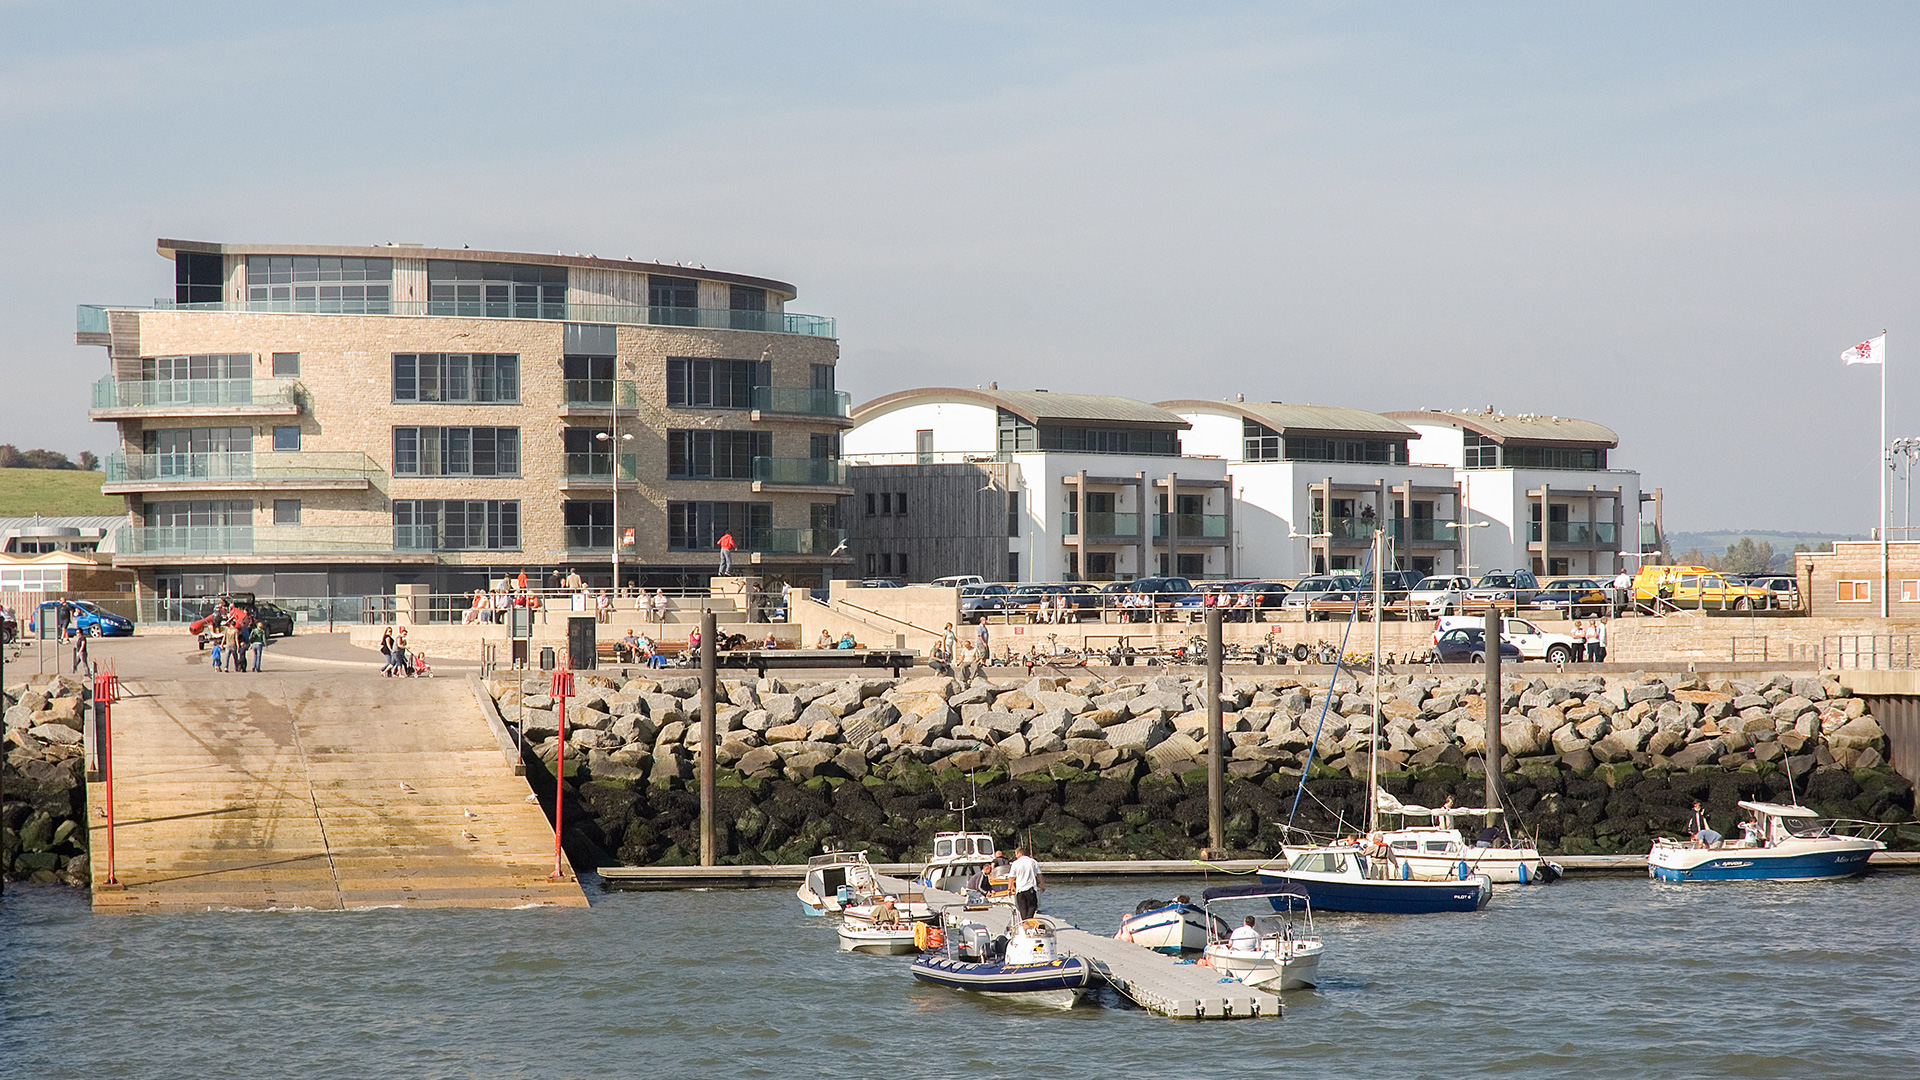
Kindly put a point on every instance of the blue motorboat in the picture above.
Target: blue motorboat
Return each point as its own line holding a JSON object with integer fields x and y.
{"x": 1780, "y": 843}
{"x": 1024, "y": 966}
{"x": 1345, "y": 877}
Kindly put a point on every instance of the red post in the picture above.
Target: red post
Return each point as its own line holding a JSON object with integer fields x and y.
{"x": 560, "y": 691}
{"x": 106, "y": 690}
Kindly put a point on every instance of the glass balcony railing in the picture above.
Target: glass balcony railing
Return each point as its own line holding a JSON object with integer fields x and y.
{"x": 1414, "y": 530}
{"x": 801, "y": 401}
{"x": 813, "y": 472}
{"x": 1101, "y": 523}
{"x": 932, "y": 457}
{"x": 91, "y": 318}
{"x": 1342, "y": 528}
{"x": 262, "y": 540}
{"x": 242, "y": 465}
{"x": 600, "y": 467}
{"x": 1191, "y": 526}
{"x": 796, "y": 541}
{"x": 110, "y": 393}
{"x": 1576, "y": 533}
{"x": 604, "y": 393}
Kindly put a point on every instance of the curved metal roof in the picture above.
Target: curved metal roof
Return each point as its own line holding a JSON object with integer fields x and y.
{"x": 1501, "y": 428}
{"x": 1284, "y": 417}
{"x": 1033, "y": 406}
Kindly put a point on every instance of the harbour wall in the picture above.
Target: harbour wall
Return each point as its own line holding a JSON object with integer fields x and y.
{"x": 1096, "y": 769}
{"x": 43, "y": 792}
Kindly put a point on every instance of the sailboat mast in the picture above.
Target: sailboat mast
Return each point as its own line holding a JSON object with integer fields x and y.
{"x": 1373, "y": 742}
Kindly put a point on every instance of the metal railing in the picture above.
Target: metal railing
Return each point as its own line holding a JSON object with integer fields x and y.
{"x": 802, "y": 401}
{"x": 272, "y": 539}
{"x": 940, "y": 457}
{"x": 311, "y": 611}
{"x": 603, "y": 393}
{"x": 816, "y": 472}
{"x": 1576, "y": 532}
{"x": 91, "y": 318}
{"x": 1191, "y": 526}
{"x": 242, "y": 465}
{"x": 111, "y": 393}
{"x": 1869, "y": 652}
{"x": 797, "y": 541}
{"x": 591, "y": 466}
{"x": 1416, "y": 530}
{"x": 1100, "y": 523}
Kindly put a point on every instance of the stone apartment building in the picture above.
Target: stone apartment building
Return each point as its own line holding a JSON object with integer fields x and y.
{"x": 305, "y": 421}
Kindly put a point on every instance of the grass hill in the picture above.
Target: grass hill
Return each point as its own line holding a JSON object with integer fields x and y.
{"x": 55, "y": 493}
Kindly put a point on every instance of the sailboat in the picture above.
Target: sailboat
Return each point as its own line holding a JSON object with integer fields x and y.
{"x": 1361, "y": 874}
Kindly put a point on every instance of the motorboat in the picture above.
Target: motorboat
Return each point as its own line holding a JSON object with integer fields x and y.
{"x": 1360, "y": 876}
{"x": 836, "y": 879}
{"x": 887, "y": 909}
{"x": 1026, "y": 965}
{"x": 896, "y": 939}
{"x": 1273, "y": 952}
{"x": 1438, "y": 852}
{"x": 1782, "y": 842}
{"x": 1171, "y": 926}
{"x": 956, "y": 857}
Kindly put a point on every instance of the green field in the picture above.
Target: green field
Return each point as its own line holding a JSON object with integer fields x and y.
{"x": 55, "y": 493}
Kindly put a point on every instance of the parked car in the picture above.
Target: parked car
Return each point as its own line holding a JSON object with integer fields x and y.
{"x": 277, "y": 620}
{"x": 1163, "y": 593}
{"x": 89, "y": 619}
{"x": 1395, "y": 585}
{"x": 1034, "y": 597}
{"x": 979, "y": 601}
{"x": 1783, "y": 589}
{"x": 1343, "y": 587}
{"x": 1533, "y": 642}
{"x": 1429, "y": 591}
{"x": 1468, "y": 645}
{"x": 954, "y": 581}
{"x": 9, "y": 629}
{"x": 883, "y": 583}
{"x": 1576, "y": 596}
{"x": 1518, "y": 586}
{"x": 1696, "y": 587}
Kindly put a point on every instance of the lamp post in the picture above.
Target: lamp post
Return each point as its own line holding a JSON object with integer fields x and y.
{"x": 613, "y": 454}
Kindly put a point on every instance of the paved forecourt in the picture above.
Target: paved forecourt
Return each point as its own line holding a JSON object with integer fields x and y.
{"x": 310, "y": 787}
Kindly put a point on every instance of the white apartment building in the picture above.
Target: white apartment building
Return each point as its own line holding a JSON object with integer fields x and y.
{"x": 1093, "y": 487}
{"x": 1310, "y": 482}
{"x": 1541, "y": 483}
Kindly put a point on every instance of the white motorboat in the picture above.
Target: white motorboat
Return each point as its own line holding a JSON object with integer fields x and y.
{"x": 836, "y": 879}
{"x": 897, "y": 939}
{"x": 1439, "y": 852}
{"x": 1782, "y": 843}
{"x": 888, "y": 909}
{"x": 1268, "y": 951}
{"x": 956, "y": 857}
{"x": 1174, "y": 926}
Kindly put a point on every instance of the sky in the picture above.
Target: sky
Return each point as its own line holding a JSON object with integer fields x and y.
{"x": 1668, "y": 218}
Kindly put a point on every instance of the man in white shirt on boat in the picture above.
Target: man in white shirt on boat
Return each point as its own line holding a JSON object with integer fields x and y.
{"x": 1026, "y": 885}
{"x": 1245, "y": 938}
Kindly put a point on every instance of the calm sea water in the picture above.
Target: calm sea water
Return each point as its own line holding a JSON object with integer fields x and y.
{"x": 1593, "y": 979}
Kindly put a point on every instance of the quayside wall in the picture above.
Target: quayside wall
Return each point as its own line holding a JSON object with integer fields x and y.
{"x": 1089, "y": 768}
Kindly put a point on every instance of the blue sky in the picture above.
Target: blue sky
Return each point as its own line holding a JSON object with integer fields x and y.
{"x": 1668, "y": 218}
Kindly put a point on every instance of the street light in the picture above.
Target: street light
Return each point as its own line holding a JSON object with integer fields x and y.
{"x": 613, "y": 453}
{"x": 1466, "y": 541}
{"x": 1308, "y": 537}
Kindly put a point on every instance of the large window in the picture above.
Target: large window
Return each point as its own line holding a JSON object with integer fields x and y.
{"x": 673, "y": 292}
{"x": 714, "y": 384}
{"x": 714, "y": 455}
{"x": 589, "y": 524}
{"x": 1370, "y": 451}
{"x": 464, "y": 378}
{"x": 1258, "y": 442}
{"x": 200, "y": 513}
{"x": 180, "y": 442}
{"x": 496, "y": 290}
{"x": 1103, "y": 440}
{"x": 323, "y": 283}
{"x": 456, "y": 451}
{"x": 697, "y": 526}
{"x": 1572, "y": 458}
{"x": 1481, "y": 452}
{"x": 198, "y": 278}
{"x": 456, "y": 524}
{"x": 204, "y": 366}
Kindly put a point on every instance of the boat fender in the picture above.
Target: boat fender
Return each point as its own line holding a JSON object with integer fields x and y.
{"x": 1523, "y": 873}
{"x": 920, "y": 936}
{"x": 1406, "y": 871}
{"x": 1463, "y": 869}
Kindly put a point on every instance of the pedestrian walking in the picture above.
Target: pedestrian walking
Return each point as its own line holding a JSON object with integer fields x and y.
{"x": 80, "y": 661}
{"x": 1027, "y": 884}
{"x": 725, "y": 544}
{"x": 231, "y": 638}
{"x": 983, "y": 651}
{"x": 258, "y": 636}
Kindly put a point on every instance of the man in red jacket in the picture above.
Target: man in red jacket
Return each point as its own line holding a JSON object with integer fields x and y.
{"x": 725, "y": 545}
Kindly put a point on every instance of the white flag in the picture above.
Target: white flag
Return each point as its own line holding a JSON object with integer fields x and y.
{"x": 1872, "y": 351}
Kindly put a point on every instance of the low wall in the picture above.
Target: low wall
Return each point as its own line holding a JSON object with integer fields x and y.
{"x": 1115, "y": 769}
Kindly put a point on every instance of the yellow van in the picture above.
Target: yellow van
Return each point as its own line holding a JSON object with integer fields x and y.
{"x": 1695, "y": 587}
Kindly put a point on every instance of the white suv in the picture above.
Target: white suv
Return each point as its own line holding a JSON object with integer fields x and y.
{"x": 1533, "y": 642}
{"x": 1431, "y": 593}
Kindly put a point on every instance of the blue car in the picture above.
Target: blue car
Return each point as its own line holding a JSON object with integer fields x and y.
{"x": 88, "y": 618}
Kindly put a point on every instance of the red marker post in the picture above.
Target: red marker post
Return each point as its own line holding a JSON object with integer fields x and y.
{"x": 560, "y": 690}
{"x": 106, "y": 691}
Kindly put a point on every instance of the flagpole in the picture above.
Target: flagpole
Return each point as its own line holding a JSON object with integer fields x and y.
{"x": 1885, "y": 576}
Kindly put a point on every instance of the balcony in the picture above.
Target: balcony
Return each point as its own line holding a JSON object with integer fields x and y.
{"x": 218, "y": 543}
{"x": 799, "y": 472}
{"x": 1419, "y": 531}
{"x": 589, "y": 395}
{"x": 815, "y": 542}
{"x": 92, "y": 318}
{"x": 1101, "y": 525}
{"x": 298, "y": 470}
{"x": 1600, "y": 534}
{"x": 597, "y": 470}
{"x": 1343, "y": 528}
{"x": 801, "y": 402}
{"x": 1192, "y": 526}
{"x": 115, "y": 399}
